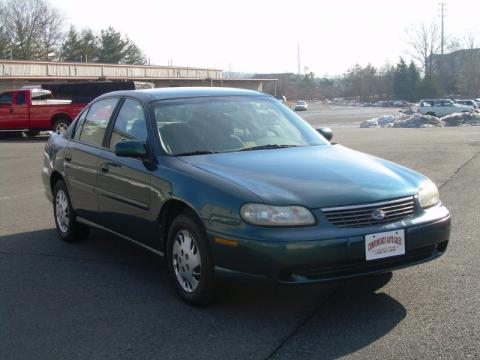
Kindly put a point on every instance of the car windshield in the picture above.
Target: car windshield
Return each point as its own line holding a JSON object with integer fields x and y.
{"x": 208, "y": 125}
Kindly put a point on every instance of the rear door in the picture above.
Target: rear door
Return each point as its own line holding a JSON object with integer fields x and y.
{"x": 124, "y": 190}
{"x": 6, "y": 111}
{"x": 81, "y": 157}
{"x": 20, "y": 110}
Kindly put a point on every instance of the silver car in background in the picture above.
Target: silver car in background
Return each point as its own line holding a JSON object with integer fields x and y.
{"x": 301, "y": 105}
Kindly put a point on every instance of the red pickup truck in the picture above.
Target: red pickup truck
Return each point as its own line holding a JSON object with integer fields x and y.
{"x": 34, "y": 110}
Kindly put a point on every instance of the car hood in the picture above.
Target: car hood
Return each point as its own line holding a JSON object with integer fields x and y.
{"x": 312, "y": 176}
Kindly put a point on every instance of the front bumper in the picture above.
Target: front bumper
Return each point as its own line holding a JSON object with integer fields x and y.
{"x": 328, "y": 259}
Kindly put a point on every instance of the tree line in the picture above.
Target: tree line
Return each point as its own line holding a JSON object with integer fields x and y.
{"x": 33, "y": 30}
{"x": 402, "y": 81}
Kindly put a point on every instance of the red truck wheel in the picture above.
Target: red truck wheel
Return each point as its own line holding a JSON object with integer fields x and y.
{"x": 61, "y": 125}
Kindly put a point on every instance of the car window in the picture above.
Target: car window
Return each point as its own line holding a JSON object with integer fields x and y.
{"x": 6, "y": 98}
{"x": 78, "y": 127}
{"x": 96, "y": 121}
{"x": 20, "y": 98}
{"x": 231, "y": 123}
{"x": 130, "y": 124}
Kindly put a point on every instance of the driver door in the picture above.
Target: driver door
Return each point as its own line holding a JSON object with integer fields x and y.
{"x": 124, "y": 191}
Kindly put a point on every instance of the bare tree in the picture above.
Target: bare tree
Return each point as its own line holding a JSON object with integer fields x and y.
{"x": 469, "y": 72}
{"x": 424, "y": 42}
{"x": 3, "y": 35}
{"x": 34, "y": 28}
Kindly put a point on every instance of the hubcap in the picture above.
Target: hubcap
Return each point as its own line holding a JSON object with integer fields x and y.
{"x": 187, "y": 263}
{"x": 61, "y": 127}
{"x": 62, "y": 211}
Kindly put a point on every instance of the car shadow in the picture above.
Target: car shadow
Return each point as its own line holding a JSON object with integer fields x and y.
{"x": 106, "y": 285}
{"x": 25, "y": 139}
{"x": 352, "y": 319}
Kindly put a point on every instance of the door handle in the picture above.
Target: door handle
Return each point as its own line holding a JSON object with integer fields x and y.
{"x": 68, "y": 157}
{"x": 11, "y": 110}
{"x": 105, "y": 167}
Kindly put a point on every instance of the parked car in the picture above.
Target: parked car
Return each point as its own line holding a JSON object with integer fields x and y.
{"x": 301, "y": 105}
{"x": 471, "y": 103}
{"x": 218, "y": 179}
{"x": 34, "y": 110}
{"x": 442, "y": 107}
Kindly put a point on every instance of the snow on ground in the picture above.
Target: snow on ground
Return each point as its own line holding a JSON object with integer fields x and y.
{"x": 417, "y": 120}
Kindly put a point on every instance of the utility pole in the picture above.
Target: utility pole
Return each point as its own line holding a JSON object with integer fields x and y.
{"x": 298, "y": 58}
{"x": 443, "y": 10}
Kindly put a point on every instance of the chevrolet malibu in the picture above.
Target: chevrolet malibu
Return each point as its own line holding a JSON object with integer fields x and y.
{"x": 227, "y": 180}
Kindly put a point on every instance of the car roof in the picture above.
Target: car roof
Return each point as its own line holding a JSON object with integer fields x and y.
{"x": 182, "y": 92}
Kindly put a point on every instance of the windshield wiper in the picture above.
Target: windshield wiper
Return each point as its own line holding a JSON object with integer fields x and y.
{"x": 198, "y": 152}
{"x": 270, "y": 146}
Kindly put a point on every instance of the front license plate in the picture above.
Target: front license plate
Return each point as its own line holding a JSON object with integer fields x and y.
{"x": 385, "y": 244}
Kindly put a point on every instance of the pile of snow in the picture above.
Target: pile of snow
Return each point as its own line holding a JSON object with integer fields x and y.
{"x": 385, "y": 120}
{"x": 462, "y": 119}
{"x": 417, "y": 120}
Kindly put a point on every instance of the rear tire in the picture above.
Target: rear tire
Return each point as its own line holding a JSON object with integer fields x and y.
{"x": 61, "y": 125}
{"x": 67, "y": 226}
{"x": 189, "y": 261}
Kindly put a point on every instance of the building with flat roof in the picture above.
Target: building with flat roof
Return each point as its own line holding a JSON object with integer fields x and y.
{"x": 15, "y": 74}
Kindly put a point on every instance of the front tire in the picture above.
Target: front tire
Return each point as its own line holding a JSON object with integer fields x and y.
{"x": 189, "y": 260}
{"x": 67, "y": 226}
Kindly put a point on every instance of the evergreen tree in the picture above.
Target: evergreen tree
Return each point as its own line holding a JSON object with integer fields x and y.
{"x": 428, "y": 88}
{"x": 414, "y": 79}
{"x": 401, "y": 81}
{"x": 133, "y": 55}
{"x": 70, "y": 50}
{"x": 89, "y": 46}
{"x": 112, "y": 46}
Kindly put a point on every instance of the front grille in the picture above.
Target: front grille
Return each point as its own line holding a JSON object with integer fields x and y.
{"x": 361, "y": 215}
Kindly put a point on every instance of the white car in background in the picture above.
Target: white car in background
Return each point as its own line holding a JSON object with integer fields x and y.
{"x": 301, "y": 105}
{"x": 442, "y": 107}
{"x": 471, "y": 103}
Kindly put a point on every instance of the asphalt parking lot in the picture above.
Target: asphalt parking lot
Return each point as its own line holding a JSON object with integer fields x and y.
{"x": 106, "y": 299}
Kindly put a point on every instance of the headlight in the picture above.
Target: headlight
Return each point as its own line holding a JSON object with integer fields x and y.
{"x": 428, "y": 194}
{"x": 260, "y": 214}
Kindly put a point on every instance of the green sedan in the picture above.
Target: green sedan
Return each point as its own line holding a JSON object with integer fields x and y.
{"x": 228, "y": 180}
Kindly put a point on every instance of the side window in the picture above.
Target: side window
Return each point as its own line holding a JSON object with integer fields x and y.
{"x": 6, "y": 98}
{"x": 96, "y": 121}
{"x": 78, "y": 127}
{"x": 130, "y": 124}
{"x": 20, "y": 98}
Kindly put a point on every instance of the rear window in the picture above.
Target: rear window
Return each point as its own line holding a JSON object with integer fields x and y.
{"x": 6, "y": 98}
{"x": 96, "y": 121}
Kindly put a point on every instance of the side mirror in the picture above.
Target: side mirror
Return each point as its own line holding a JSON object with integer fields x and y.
{"x": 326, "y": 132}
{"x": 131, "y": 148}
